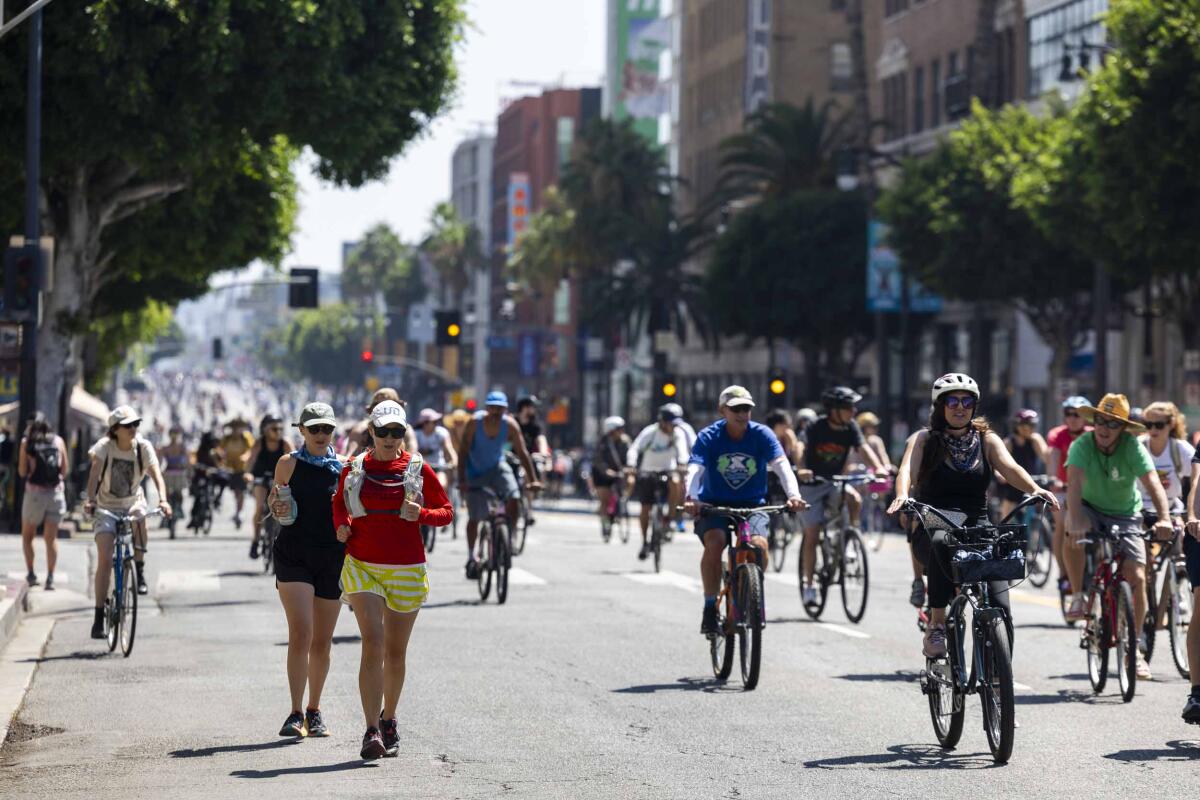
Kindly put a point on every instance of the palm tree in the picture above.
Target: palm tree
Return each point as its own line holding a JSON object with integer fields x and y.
{"x": 453, "y": 247}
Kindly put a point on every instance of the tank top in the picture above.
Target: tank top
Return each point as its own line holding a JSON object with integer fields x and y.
{"x": 432, "y": 445}
{"x": 312, "y": 489}
{"x": 265, "y": 461}
{"x": 1026, "y": 456}
{"x": 947, "y": 488}
{"x": 486, "y": 452}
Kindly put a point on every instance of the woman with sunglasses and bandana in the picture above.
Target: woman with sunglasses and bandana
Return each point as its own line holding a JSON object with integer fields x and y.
{"x": 308, "y": 563}
{"x": 383, "y": 498}
{"x": 949, "y": 466}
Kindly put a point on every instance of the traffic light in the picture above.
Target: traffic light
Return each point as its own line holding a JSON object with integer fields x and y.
{"x": 449, "y": 327}
{"x": 471, "y": 405}
{"x": 368, "y": 356}
{"x": 218, "y": 349}
{"x": 669, "y": 389}
{"x": 22, "y": 267}
{"x": 777, "y": 385}
{"x": 303, "y": 287}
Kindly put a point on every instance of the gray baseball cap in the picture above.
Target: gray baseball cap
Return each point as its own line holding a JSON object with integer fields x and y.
{"x": 316, "y": 414}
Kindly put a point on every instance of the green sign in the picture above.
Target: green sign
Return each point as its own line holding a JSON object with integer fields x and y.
{"x": 642, "y": 35}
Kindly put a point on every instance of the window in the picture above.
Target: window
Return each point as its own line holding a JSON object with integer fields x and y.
{"x": 935, "y": 85}
{"x": 895, "y": 106}
{"x": 952, "y": 64}
{"x": 565, "y": 139}
{"x": 841, "y": 67}
{"x": 1070, "y": 23}
{"x": 918, "y": 94}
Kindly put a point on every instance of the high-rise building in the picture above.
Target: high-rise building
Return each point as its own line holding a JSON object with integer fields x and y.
{"x": 471, "y": 196}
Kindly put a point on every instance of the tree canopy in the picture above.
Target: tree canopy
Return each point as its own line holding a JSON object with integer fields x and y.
{"x": 324, "y": 344}
{"x": 383, "y": 263}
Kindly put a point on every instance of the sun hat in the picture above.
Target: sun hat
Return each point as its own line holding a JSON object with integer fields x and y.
{"x": 1115, "y": 406}
{"x": 428, "y": 415}
{"x": 123, "y": 415}
{"x": 734, "y": 396}
{"x": 316, "y": 414}
{"x": 496, "y": 399}
{"x": 389, "y": 412}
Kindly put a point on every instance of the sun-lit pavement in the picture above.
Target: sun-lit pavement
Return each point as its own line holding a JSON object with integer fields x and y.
{"x": 592, "y": 681}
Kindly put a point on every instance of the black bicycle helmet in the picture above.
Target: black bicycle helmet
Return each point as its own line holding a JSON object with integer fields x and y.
{"x": 840, "y": 396}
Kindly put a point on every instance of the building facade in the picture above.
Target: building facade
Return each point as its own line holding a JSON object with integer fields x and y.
{"x": 471, "y": 196}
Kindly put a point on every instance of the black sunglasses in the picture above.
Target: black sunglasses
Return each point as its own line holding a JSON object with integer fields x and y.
{"x": 1071, "y": 414}
{"x": 317, "y": 430}
{"x": 954, "y": 402}
{"x": 130, "y": 425}
{"x": 391, "y": 432}
{"x": 1111, "y": 424}
{"x": 1158, "y": 426}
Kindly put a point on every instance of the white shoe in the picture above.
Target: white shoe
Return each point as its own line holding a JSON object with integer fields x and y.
{"x": 1143, "y": 669}
{"x": 1078, "y": 609}
{"x": 809, "y": 595}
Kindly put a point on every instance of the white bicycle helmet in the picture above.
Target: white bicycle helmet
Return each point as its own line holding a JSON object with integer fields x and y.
{"x": 954, "y": 382}
{"x": 613, "y": 423}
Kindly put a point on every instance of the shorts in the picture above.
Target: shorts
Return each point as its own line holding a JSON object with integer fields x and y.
{"x": 106, "y": 525}
{"x": 821, "y": 497}
{"x": 42, "y": 504}
{"x": 403, "y": 587}
{"x": 1191, "y": 552}
{"x": 649, "y": 488}
{"x": 1131, "y": 544}
{"x": 237, "y": 481}
{"x": 499, "y": 479}
{"x": 759, "y": 523}
{"x": 319, "y": 567}
{"x": 176, "y": 480}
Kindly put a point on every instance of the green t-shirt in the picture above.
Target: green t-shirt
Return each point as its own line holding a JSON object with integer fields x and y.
{"x": 1111, "y": 480}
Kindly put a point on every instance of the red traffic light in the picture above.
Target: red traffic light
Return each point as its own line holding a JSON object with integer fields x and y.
{"x": 471, "y": 404}
{"x": 367, "y": 356}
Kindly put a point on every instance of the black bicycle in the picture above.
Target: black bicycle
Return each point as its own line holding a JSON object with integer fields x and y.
{"x": 660, "y": 516}
{"x": 979, "y": 554}
{"x": 783, "y": 527}
{"x": 741, "y": 605}
{"x": 495, "y": 557}
{"x": 841, "y": 557}
{"x": 203, "y": 501}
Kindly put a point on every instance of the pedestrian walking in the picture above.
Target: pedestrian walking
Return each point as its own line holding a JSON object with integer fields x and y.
{"x": 383, "y": 497}
{"x": 308, "y": 563}
{"x": 42, "y": 464}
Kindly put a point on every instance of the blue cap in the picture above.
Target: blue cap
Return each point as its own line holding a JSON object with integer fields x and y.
{"x": 496, "y": 399}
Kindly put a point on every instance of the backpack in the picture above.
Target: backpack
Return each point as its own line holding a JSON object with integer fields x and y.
{"x": 47, "y": 462}
{"x": 1185, "y": 478}
{"x": 413, "y": 484}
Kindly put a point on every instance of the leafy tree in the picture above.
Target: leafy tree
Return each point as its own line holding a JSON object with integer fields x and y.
{"x": 545, "y": 253}
{"x": 959, "y": 228}
{"x": 453, "y": 247}
{"x": 793, "y": 268}
{"x": 324, "y": 344}
{"x": 381, "y": 262}
{"x": 115, "y": 335}
{"x": 170, "y": 127}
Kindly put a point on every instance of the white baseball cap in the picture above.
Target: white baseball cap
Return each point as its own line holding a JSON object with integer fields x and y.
{"x": 734, "y": 396}
{"x": 389, "y": 412}
{"x": 613, "y": 423}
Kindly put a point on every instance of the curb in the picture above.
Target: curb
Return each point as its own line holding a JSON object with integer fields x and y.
{"x": 14, "y": 603}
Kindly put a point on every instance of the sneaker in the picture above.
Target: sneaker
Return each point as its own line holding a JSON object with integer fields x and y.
{"x": 472, "y": 569}
{"x": 49, "y": 587}
{"x": 313, "y": 723}
{"x": 1142, "y": 648}
{"x": 808, "y": 595}
{"x": 372, "y": 746}
{"x": 237, "y": 522}
{"x": 709, "y": 625}
{"x": 1143, "y": 669}
{"x": 917, "y": 597}
{"x": 254, "y": 549}
{"x": 98, "y": 624}
{"x": 644, "y": 552}
{"x": 31, "y": 578}
{"x": 1191, "y": 710}
{"x": 391, "y": 736}
{"x": 935, "y": 642}
{"x": 1078, "y": 609}
{"x": 141, "y": 580}
{"x": 293, "y": 725}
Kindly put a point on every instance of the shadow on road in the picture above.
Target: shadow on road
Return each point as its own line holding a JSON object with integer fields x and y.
{"x": 357, "y": 763}
{"x": 899, "y": 676}
{"x": 1044, "y": 626}
{"x": 205, "y": 752}
{"x": 450, "y": 604}
{"x": 212, "y": 604}
{"x": 683, "y": 684}
{"x": 1177, "y": 750}
{"x": 78, "y": 655}
{"x": 353, "y": 639}
{"x": 244, "y": 573}
{"x": 908, "y": 756}
{"x": 1064, "y": 696}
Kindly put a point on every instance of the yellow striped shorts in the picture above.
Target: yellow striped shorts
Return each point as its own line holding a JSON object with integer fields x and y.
{"x": 403, "y": 587}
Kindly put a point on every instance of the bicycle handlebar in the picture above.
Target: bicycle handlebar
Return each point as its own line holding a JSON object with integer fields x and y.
{"x": 728, "y": 511}
{"x": 1029, "y": 500}
{"x": 155, "y": 512}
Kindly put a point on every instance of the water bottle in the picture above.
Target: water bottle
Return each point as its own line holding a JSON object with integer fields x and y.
{"x": 284, "y": 493}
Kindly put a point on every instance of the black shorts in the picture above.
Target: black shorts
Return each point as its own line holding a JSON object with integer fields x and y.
{"x": 649, "y": 488}
{"x": 1191, "y": 551}
{"x": 237, "y": 481}
{"x": 319, "y": 567}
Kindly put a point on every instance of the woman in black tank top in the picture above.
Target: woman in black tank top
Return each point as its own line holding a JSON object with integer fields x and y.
{"x": 949, "y": 465}
{"x": 1028, "y": 449}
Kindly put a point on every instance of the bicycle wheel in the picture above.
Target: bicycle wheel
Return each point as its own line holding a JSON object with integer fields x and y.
{"x": 821, "y": 571}
{"x": 1039, "y": 558}
{"x": 624, "y": 521}
{"x": 777, "y": 543}
{"x": 484, "y": 581}
{"x": 720, "y": 645}
{"x": 270, "y": 535}
{"x": 996, "y": 693}
{"x": 503, "y": 559}
{"x": 1150, "y": 623}
{"x": 749, "y": 586}
{"x": 854, "y": 576}
{"x": 1127, "y": 643}
{"x": 876, "y": 525}
{"x": 656, "y": 540}
{"x": 129, "y": 598}
{"x": 1179, "y": 615}
{"x": 520, "y": 531}
{"x": 946, "y": 708}
{"x": 1096, "y": 636}
{"x": 112, "y": 614}
{"x": 429, "y": 537}
{"x": 455, "y": 503}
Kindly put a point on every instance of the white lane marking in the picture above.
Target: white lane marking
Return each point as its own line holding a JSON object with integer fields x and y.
{"x": 187, "y": 580}
{"x": 1020, "y": 687}
{"x": 667, "y": 578}
{"x": 787, "y": 578}
{"x": 1034, "y": 599}
{"x": 523, "y": 577}
{"x": 844, "y": 631}
{"x": 59, "y": 577}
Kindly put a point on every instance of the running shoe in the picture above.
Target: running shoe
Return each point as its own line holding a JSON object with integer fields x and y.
{"x": 935, "y": 642}
{"x": 1143, "y": 669}
{"x": 917, "y": 597}
{"x": 31, "y": 578}
{"x": 1078, "y": 610}
{"x": 472, "y": 569}
{"x": 142, "y": 588}
{"x": 314, "y": 724}
{"x": 809, "y": 595}
{"x": 98, "y": 624}
{"x": 1191, "y": 710}
{"x": 372, "y": 746}
{"x": 644, "y": 552}
{"x": 293, "y": 725}
{"x": 254, "y": 549}
{"x": 709, "y": 625}
{"x": 49, "y": 587}
{"x": 389, "y": 729}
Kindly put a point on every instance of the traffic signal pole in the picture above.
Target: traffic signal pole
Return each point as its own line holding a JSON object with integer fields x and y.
{"x": 33, "y": 157}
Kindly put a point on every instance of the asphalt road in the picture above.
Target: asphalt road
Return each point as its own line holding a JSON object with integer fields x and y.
{"x": 593, "y": 681}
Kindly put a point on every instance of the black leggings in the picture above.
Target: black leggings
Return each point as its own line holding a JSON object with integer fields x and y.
{"x": 935, "y": 557}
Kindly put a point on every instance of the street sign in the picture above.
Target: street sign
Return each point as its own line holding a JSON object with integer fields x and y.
{"x": 528, "y": 354}
{"x": 885, "y": 282}
{"x": 496, "y": 342}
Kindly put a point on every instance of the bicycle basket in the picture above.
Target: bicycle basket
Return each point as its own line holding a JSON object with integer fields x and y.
{"x": 989, "y": 554}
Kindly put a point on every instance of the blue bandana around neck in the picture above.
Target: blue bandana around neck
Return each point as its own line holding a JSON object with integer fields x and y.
{"x": 328, "y": 461}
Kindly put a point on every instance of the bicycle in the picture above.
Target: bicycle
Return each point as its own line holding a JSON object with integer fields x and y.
{"x": 494, "y": 542}
{"x": 616, "y": 515}
{"x": 875, "y": 519}
{"x": 782, "y": 527}
{"x": 174, "y": 480}
{"x": 269, "y": 534}
{"x": 979, "y": 555}
{"x": 120, "y": 606}
{"x": 1039, "y": 555}
{"x": 841, "y": 558}
{"x": 203, "y": 503}
{"x": 660, "y": 517}
{"x": 1109, "y": 622}
{"x": 741, "y": 606}
{"x": 1173, "y": 604}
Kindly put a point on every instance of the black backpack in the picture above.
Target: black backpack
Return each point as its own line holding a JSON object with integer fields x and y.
{"x": 47, "y": 462}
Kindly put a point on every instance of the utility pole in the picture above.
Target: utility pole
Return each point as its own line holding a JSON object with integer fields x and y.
{"x": 33, "y": 156}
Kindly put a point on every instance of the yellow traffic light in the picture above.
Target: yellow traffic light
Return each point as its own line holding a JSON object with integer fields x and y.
{"x": 453, "y": 330}
{"x": 669, "y": 389}
{"x": 778, "y": 386}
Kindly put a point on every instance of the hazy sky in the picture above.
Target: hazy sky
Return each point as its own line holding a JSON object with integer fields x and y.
{"x": 543, "y": 41}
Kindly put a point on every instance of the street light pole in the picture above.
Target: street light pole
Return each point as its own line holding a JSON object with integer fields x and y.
{"x": 33, "y": 156}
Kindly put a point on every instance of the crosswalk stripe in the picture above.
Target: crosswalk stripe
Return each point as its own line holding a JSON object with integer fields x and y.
{"x": 187, "y": 580}
{"x": 1020, "y": 687}
{"x": 523, "y": 577}
{"x": 844, "y": 631}
{"x": 666, "y": 578}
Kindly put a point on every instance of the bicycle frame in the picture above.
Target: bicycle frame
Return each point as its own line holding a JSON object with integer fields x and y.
{"x": 1104, "y": 578}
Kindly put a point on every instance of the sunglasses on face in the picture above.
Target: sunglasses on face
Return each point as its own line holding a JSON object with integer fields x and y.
{"x": 734, "y": 410}
{"x": 132, "y": 426}
{"x": 1111, "y": 424}
{"x": 954, "y": 402}
{"x": 1071, "y": 415}
{"x": 319, "y": 430}
{"x": 275, "y": 429}
{"x": 1158, "y": 426}
{"x": 390, "y": 432}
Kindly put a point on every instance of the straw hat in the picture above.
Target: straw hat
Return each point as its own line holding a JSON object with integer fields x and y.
{"x": 1113, "y": 406}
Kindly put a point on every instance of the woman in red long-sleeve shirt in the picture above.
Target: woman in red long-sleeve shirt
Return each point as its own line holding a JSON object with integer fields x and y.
{"x": 378, "y": 514}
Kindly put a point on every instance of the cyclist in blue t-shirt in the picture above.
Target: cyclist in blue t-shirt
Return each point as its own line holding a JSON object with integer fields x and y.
{"x": 728, "y": 468}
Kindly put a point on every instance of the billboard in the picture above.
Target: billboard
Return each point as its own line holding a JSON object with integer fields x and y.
{"x": 758, "y": 54}
{"x": 885, "y": 290}
{"x": 518, "y": 205}
{"x": 638, "y": 38}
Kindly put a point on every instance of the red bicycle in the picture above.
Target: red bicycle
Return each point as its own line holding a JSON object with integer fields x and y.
{"x": 1109, "y": 623}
